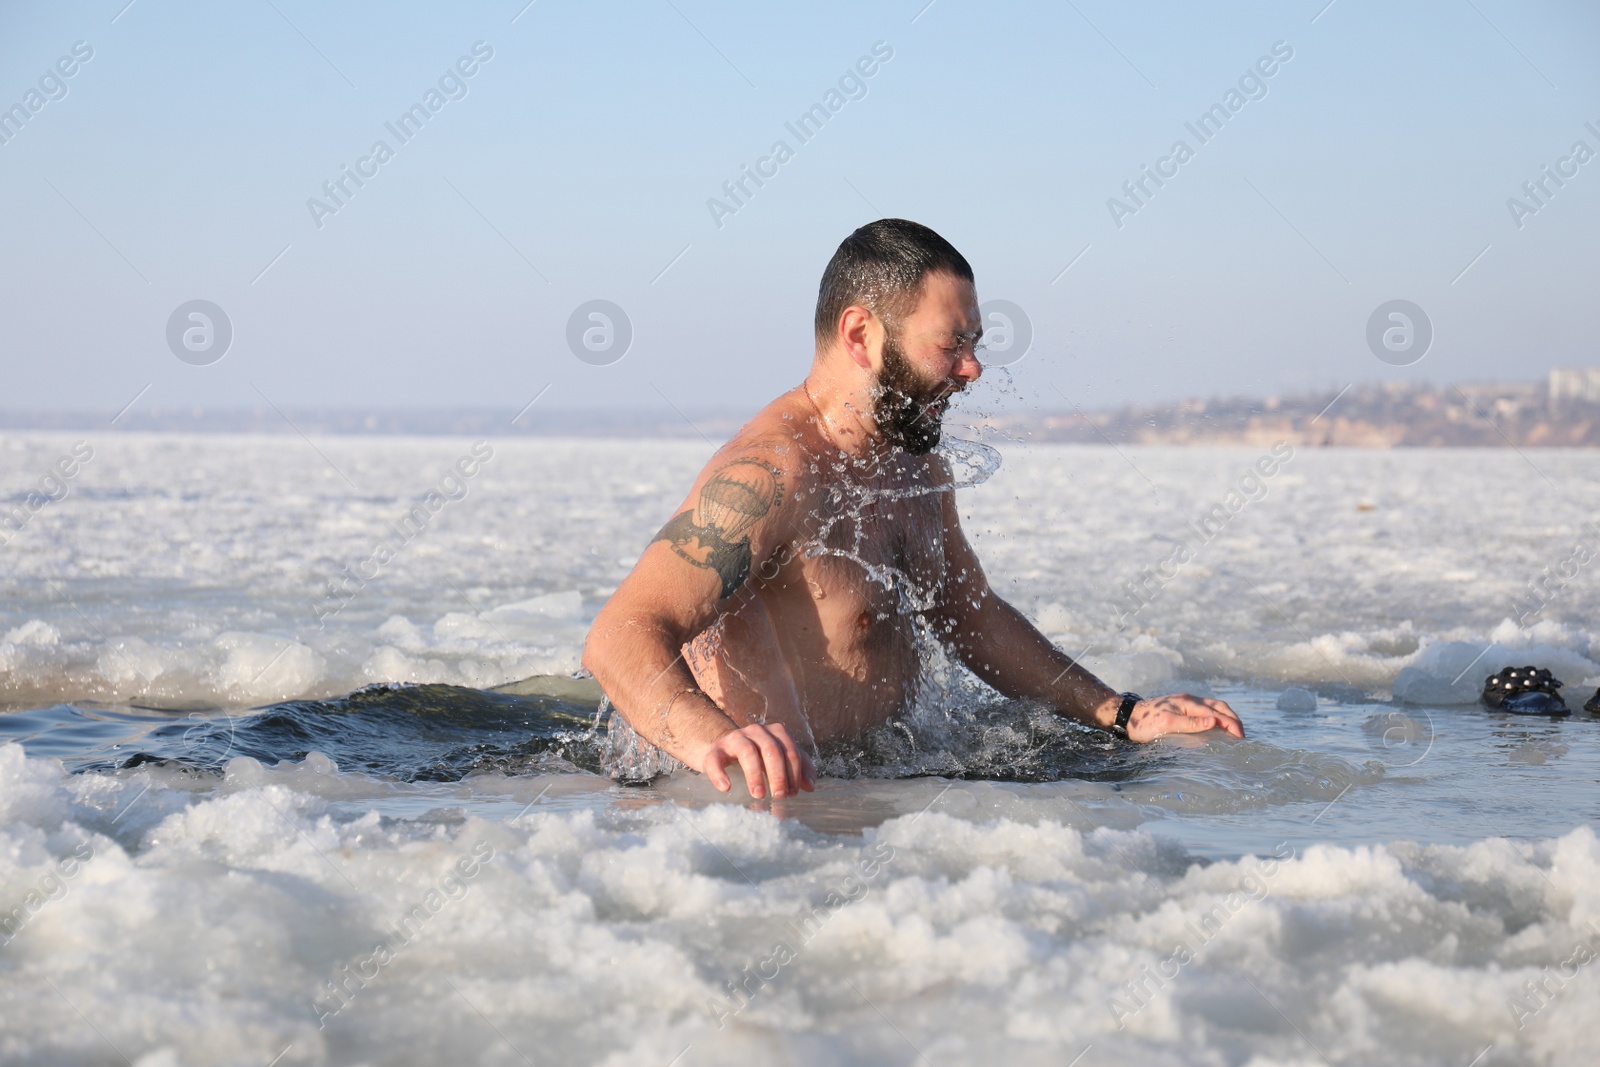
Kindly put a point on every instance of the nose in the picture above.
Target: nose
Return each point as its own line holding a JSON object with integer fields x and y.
{"x": 967, "y": 368}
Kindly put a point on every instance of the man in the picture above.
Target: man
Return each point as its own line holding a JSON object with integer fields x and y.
{"x": 780, "y": 607}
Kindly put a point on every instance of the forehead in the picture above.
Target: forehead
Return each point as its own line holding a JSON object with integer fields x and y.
{"x": 948, "y": 304}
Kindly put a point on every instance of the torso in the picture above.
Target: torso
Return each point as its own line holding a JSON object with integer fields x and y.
{"x": 824, "y": 641}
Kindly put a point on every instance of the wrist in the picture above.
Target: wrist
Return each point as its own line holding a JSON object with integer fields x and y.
{"x": 1103, "y": 713}
{"x": 707, "y": 734}
{"x": 691, "y": 724}
{"x": 1121, "y": 708}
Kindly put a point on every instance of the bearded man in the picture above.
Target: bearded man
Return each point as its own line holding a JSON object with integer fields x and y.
{"x": 779, "y": 607}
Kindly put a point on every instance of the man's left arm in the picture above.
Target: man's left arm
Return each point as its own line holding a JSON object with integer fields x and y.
{"x": 1000, "y": 646}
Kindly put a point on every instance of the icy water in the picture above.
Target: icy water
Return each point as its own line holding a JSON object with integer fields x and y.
{"x": 227, "y": 834}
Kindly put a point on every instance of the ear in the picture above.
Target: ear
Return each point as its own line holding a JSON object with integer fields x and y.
{"x": 855, "y": 335}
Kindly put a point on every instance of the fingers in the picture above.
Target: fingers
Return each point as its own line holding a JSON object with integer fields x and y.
{"x": 808, "y": 776}
{"x": 791, "y": 757}
{"x": 1184, "y": 714}
{"x": 801, "y": 774}
{"x": 1190, "y": 723}
{"x": 749, "y": 756}
{"x": 797, "y": 768}
{"x": 1228, "y": 725}
{"x": 1226, "y": 718}
{"x": 774, "y": 758}
{"x": 772, "y": 764}
{"x": 713, "y": 769}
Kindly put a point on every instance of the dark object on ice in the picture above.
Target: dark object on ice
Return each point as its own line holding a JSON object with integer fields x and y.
{"x": 1592, "y": 705}
{"x": 1536, "y": 703}
{"x": 1509, "y": 687}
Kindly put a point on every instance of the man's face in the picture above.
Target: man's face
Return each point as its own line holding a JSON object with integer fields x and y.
{"x": 927, "y": 361}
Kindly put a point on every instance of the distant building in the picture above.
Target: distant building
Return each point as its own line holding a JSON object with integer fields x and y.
{"x": 1575, "y": 383}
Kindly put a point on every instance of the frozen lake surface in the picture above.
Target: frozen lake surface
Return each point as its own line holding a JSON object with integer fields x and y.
{"x": 434, "y": 875}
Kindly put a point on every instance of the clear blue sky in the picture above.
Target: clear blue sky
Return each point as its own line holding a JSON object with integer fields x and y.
{"x": 578, "y": 165}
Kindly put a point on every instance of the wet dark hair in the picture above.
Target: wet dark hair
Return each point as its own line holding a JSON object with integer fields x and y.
{"x": 881, "y": 266}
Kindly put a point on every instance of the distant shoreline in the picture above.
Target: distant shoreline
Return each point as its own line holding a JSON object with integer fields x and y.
{"x": 1393, "y": 415}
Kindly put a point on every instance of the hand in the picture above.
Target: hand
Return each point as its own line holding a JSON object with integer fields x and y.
{"x": 768, "y": 757}
{"x": 1181, "y": 714}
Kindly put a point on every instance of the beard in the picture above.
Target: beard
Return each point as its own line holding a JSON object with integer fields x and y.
{"x": 902, "y": 407}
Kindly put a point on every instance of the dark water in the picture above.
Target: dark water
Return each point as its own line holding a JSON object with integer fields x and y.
{"x": 1359, "y": 772}
{"x": 443, "y": 733}
{"x": 414, "y": 733}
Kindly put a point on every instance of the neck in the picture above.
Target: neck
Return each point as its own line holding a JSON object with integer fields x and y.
{"x": 843, "y": 414}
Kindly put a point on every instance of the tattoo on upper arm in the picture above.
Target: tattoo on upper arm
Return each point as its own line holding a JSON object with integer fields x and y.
{"x": 715, "y": 533}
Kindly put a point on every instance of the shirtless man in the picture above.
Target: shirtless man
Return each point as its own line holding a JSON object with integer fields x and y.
{"x": 776, "y": 609}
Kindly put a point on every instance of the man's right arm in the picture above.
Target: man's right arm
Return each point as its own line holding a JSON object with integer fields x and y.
{"x": 694, "y": 570}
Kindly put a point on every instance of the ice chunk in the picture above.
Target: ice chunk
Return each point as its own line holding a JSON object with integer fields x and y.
{"x": 1138, "y": 672}
{"x": 567, "y": 605}
{"x": 257, "y": 668}
{"x": 1453, "y": 672}
{"x": 1296, "y": 699}
{"x": 34, "y": 632}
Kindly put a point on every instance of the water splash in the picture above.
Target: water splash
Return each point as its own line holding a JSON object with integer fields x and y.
{"x": 867, "y": 499}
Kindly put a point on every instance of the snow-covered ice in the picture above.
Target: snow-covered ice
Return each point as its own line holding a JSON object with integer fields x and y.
{"x": 1383, "y": 873}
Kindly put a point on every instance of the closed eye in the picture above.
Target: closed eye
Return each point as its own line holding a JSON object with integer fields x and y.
{"x": 971, "y": 340}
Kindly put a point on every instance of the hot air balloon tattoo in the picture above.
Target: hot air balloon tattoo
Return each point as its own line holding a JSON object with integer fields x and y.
{"x": 715, "y": 533}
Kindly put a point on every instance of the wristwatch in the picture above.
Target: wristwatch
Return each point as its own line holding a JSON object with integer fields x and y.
{"x": 1124, "y": 713}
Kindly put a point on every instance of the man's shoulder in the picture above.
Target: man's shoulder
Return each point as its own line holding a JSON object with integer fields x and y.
{"x": 776, "y": 438}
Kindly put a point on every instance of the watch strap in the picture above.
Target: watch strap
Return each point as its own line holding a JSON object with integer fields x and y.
{"x": 1124, "y": 713}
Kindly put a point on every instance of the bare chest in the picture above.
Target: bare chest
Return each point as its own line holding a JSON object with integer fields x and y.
{"x": 883, "y": 556}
